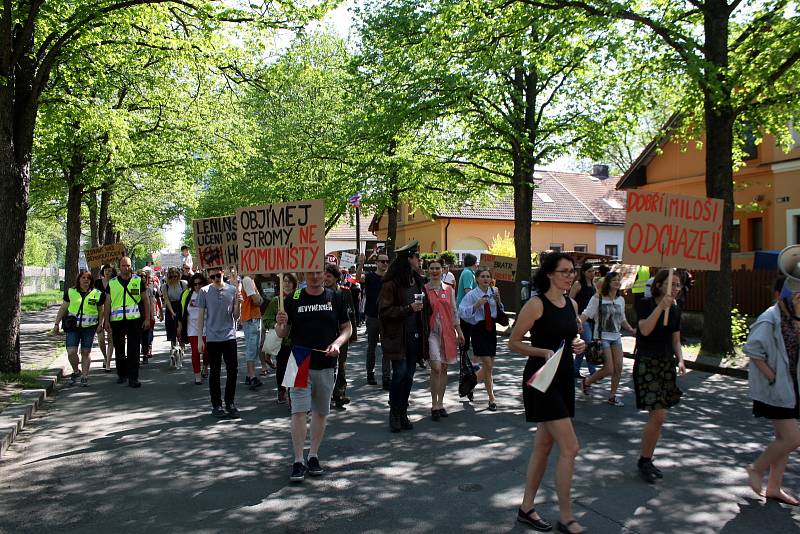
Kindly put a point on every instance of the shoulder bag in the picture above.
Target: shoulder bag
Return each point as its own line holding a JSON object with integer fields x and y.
{"x": 594, "y": 352}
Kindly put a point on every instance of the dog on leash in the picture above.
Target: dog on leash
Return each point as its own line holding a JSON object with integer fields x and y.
{"x": 175, "y": 358}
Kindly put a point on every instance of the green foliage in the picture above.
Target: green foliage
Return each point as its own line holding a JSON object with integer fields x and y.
{"x": 449, "y": 257}
{"x": 40, "y": 301}
{"x": 739, "y": 328}
{"x": 27, "y": 379}
{"x": 44, "y": 242}
{"x": 503, "y": 245}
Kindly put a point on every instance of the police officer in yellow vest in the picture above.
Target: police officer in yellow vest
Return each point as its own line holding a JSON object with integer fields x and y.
{"x": 82, "y": 314}
{"x": 639, "y": 286}
{"x": 125, "y": 320}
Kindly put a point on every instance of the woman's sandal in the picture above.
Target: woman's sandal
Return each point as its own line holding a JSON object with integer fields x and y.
{"x": 564, "y": 527}
{"x": 541, "y": 524}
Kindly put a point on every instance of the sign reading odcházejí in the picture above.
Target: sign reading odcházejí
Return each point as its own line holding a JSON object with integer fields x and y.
{"x": 276, "y": 238}
{"x": 98, "y": 256}
{"x": 215, "y": 242}
{"x": 501, "y": 267}
{"x": 670, "y": 230}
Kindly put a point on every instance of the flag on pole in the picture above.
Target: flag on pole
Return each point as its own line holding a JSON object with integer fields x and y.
{"x": 355, "y": 200}
{"x": 297, "y": 368}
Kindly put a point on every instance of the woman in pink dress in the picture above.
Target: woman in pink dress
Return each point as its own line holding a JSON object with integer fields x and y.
{"x": 445, "y": 335}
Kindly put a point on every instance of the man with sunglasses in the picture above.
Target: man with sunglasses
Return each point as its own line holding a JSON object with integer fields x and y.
{"x": 125, "y": 321}
{"x": 221, "y": 302}
{"x": 372, "y": 282}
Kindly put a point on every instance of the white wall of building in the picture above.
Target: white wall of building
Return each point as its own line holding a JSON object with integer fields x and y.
{"x": 609, "y": 235}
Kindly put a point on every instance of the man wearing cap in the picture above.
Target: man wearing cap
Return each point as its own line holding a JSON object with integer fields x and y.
{"x": 403, "y": 326}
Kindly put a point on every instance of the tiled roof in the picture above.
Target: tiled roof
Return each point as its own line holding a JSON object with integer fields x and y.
{"x": 577, "y": 197}
{"x": 346, "y": 230}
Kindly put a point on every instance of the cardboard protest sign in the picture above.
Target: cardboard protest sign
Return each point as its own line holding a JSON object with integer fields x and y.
{"x": 373, "y": 249}
{"x": 627, "y": 274}
{"x": 215, "y": 242}
{"x": 332, "y": 258}
{"x": 169, "y": 259}
{"x": 347, "y": 260}
{"x": 99, "y": 256}
{"x": 501, "y": 267}
{"x": 276, "y": 238}
{"x": 667, "y": 230}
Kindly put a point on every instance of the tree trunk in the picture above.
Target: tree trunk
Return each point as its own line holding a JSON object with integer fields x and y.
{"x": 391, "y": 228}
{"x": 523, "y": 213}
{"x": 719, "y": 118}
{"x": 74, "y": 200}
{"x": 91, "y": 205}
{"x": 111, "y": 234}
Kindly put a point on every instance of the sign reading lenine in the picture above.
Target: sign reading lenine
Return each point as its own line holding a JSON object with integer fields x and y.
{"x": 277, "y": 238}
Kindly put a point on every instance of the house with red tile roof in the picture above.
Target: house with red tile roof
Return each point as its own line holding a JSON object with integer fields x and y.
{"x": 571, "y": 211}
{"x": 343, "y": 235}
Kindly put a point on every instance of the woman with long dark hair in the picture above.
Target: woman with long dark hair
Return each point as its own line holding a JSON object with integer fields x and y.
{"x": 479, "y": 309}
{"x": 608, "y": 311}
{"x": 403, "y": 326}
{"x": 187, "y": 325}
{"x": 658, "y": 352}
{"x": 552, "y": 319}
{"x": 773, "y": 347}
{"x": 581, "y": 292}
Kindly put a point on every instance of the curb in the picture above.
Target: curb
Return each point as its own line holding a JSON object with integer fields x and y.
{"x": 701, "y": 364}
{"x": 14, "y": 418}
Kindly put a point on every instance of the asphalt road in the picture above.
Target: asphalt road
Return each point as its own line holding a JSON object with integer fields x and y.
{"x": 109, "y": 458}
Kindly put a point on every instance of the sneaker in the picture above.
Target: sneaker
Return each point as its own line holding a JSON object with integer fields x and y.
{"x": 470, "y": 396}
{"x": 84, "y": 382}
{"x": 314, "y": 469}
{"x": 647, "y": 472}
{"x": 232, "y": 410}
{"x": 656, "y": 470}
{"x": 281, "y": 397}
{"x": 298, "y": 472}
{"x": 73, "y": 378}
{"x": 442, "y": 412}
{"x": 134, "y": 383}
{"x": 435, "y": 415}
{"x": 615, "y": 402}
{"x": 217, "y": 411}
{"x": 255, "y": 383}
{"x": 492, "y": 407}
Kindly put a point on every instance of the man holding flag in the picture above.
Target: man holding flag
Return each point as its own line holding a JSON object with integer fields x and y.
{"x": 320, "y": 326}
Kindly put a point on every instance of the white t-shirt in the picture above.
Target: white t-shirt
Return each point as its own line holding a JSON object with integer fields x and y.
{"x": 249, "y": 286}
{"x": 613, "y": 313}
{"x": 192, "y": 312}
{"x": 186, "y": 260}
{"x": 449, "y": 278}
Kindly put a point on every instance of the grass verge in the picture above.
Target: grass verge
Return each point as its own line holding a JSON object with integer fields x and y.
{"x": 25, "y": 379}
{"x": 40, "y": 301}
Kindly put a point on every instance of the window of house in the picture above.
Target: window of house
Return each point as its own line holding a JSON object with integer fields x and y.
{"x": 556, "y": 247}
{"x": 580, "y": 248}
{"x": 544, "y": 197}
{"x": 756, "y": 233}
{"x": 612, "y": 250}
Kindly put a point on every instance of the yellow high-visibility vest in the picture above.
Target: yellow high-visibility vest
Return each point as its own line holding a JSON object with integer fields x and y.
{"x": 641, "y": 280}
{"x": 125, "y": 304}
{"x": 90, "y": 314}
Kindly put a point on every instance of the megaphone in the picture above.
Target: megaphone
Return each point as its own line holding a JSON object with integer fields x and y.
{"x": 789, "y": 265}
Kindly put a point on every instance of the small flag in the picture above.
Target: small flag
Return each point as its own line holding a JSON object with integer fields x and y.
{"x": 351, "y": 278}
{"x": 355, "y": 200}
{"x": 297, "y": 368}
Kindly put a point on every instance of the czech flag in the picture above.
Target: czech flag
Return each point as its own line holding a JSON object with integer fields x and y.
{"x": 297, "y": 368}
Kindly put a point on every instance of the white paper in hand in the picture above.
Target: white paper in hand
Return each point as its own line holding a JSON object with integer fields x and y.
{"x": 542, "y": 378}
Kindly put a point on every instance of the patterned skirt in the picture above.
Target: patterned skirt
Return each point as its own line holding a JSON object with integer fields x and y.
{"x": 654, "y": 381}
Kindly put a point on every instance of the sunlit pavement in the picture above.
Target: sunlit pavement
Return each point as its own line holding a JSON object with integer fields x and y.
{"x": 109, "y": 458}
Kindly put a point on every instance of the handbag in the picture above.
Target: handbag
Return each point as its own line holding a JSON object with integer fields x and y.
{"x": 502, "y": 318}
{"x": 467, "y": 379}
{"x": 70, "y": 322}
{"x": 272, "y": 343}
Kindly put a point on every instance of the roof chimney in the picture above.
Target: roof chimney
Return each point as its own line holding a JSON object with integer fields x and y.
{"x": 600, "y": 171}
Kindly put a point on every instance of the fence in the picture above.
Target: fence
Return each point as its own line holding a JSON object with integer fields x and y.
{"x": 752, "y": 291}
{"x": 38, "y": 279}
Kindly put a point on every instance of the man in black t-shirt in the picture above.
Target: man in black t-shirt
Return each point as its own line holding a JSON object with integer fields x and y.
{"x": 331, "y": 282}
{"x": 371, "y": 283}
{"x": 319, "y": 321}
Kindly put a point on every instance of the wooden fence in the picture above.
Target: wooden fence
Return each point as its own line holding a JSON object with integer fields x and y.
{"x": 752, "y": 291}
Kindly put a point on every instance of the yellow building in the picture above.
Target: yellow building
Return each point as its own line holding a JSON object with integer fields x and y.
{"x": 766, "y": 189}
{"x": 571, "y": 211}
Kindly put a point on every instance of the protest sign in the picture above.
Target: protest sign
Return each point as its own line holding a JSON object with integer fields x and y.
{"x": 215, "y": 242}
{"x": 501, "y": 267}
{"x": 373, "y": 249}
{"x": 627, "y": 274}
{"x": 169, "y": 259}
{"x": 347, "y": 260}
{"x": 332, "y": 258}
{"x": 276, "y": 238}
{"x": 667, "y": 230}
{"x": 98, "y": 256}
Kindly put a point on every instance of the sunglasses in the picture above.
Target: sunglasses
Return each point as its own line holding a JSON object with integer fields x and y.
{"x": 383, "y": 261}
{"x": 216, "y": 276}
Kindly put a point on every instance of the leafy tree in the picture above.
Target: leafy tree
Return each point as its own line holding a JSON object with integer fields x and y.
{"x": 741, "y": 57}
{"x": 36, "y": 37}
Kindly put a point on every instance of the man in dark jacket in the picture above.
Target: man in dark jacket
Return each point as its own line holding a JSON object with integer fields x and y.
{"x": 404, "y": 329}
{"x": 331, "y": 282}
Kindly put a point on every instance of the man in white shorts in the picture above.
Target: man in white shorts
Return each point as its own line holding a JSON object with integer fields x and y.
{"x": 318, "y": 320}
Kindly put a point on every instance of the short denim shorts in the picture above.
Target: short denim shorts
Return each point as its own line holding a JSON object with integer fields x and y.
{"x": 83, "y": 337}
{"x": 608, "y": 344}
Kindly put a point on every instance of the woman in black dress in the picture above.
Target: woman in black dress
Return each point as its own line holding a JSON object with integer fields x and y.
{"x": 658, "y": 351}
{"x": 552, "y": 318}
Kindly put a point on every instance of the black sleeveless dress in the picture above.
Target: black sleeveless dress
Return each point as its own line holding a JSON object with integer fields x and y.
{"x": 556, "y": 325}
